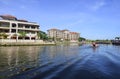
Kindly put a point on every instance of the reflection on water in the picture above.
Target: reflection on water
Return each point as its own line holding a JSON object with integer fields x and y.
{"x": 60, "y": 62}
{"x": 14, "y": 59}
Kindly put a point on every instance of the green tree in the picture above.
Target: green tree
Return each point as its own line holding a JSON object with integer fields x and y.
{"x": 117, "y": 38}
{"x": 3, "y": 35}
{"x": 22, "y": 34}
{"x": 42, "y": 35}
{"x": 81, "y": 39}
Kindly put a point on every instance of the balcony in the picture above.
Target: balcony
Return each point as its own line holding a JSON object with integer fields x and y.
{"x": 4, "y": 27}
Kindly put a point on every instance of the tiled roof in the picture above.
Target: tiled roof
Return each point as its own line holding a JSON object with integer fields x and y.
{"x": 22, "y": 20}
{"x": 8, "y": 17}
{"x": 73, "y": 32}
{"x": 65, "y": 30}
{"x": 54, "y": 29}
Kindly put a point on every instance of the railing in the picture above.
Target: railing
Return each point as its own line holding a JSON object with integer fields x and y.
{"x": 20, "y": 40}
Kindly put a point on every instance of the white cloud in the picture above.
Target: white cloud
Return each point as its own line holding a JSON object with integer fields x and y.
{"x": 97, "y": 5}
{"x": 74, "y": 23}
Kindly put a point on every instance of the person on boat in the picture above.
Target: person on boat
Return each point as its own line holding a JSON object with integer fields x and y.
{"x": 94, "y": 44}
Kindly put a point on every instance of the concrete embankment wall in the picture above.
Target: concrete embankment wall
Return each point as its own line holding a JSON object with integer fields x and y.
{"x": 10, "y": 42}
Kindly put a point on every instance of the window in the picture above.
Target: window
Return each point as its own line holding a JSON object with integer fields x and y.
{"x": 27, "y": 26}
{"x": 20, "y": 26}
{"x": 13, "y": 25}
{"x": 13, "y": 30}
{"x": 33, "y": 27}
{"x": 32, "y": 32}
{"x": 4, "y": 24}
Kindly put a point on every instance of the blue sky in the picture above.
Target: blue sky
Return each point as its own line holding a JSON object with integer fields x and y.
{"x": 94, "y": 19}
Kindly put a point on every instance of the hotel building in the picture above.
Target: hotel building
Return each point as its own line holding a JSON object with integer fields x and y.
{"x": 74, "y": 35}
{"x": 54, "y": 33}
{"x": 12, "y": 26}
{"x": 63, "y": 34}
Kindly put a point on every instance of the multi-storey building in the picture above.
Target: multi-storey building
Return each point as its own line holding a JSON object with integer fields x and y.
{"x": 11, "y": 26}
{"x": 54, "y": 33}
{"x": 74, "y": 35}
{"x": 63, "y": 34}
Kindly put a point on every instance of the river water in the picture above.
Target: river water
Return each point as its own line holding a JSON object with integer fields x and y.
{"x": 60, "y": 62}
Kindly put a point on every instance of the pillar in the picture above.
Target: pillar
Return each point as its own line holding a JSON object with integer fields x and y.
{"x": 10, "y": 29}
{"x": 17, "y": 31}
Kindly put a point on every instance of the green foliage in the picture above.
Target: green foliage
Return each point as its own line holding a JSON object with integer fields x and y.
{"x": 117, "y": 38}
{"x": 3, "y": 36}
{"x": 42, "y": 35}
{"x": 22, "y": 34}
{"x": 81, "y": 39}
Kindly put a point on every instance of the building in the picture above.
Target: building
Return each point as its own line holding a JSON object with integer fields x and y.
{"x": 54, "y": 33}
{"x": 74, "y": 36}
{"x": 63, "y": 34}
{"x": 12, "y": 26}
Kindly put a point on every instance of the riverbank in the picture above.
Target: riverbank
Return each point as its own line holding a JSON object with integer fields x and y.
{"x": 11, "y": 42}
{"x": 25, "y": 43}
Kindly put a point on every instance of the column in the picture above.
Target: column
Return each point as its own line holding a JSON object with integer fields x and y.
{"x": 10, "y": 30}
{"x": 16, "y": 32}
{"x": 36, "y": 35}
{"x": 30, "y": 35}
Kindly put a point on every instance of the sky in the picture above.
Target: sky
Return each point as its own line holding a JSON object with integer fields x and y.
{"x": 93, "y": 19}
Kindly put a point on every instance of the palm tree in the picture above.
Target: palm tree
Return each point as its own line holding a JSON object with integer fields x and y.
{"x": 22, "y": 34}
{"x": 3, "y": 35}
{"x": 39, "y": 35}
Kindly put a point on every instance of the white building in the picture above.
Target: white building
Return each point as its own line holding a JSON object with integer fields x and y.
{"x": 11, "y": 26}
{"x": 63, "y": 34}
{"x": 54, "y": 33}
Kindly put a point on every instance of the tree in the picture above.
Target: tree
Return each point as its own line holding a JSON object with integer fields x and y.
{"x": 81, "y": 39}
{"x": 42, "y": 35}
{"x": 118, "y": 38}
{"x": 22, "y": 34}
{"x": 3, "y": 35}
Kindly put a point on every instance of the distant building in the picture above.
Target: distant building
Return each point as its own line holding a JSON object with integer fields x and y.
{"x": 12, "y": 26}
{"x": 63, "y": 34}
{"x": 74, "y": 35}
{"x": 54, "y": 33}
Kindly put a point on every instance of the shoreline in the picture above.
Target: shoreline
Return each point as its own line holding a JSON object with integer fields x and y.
{"x": 26, "y": 44}
{"x": 36, "y": 44}
{"x": 7, "y": 42}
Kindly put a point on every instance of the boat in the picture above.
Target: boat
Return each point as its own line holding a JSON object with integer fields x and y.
{"x": 116, "y": 42}
{"x": 94, "y": 44}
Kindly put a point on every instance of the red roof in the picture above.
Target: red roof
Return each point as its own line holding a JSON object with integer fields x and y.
{"x": 65, "y": 30}
{"x": 54, "y": 29}
{"x": 22, "y": 20}
{"x": 8, "y": 17}
{"x": 73, "y": 32}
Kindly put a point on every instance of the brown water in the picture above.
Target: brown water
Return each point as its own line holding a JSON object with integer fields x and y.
{"x": 60, "y": 62}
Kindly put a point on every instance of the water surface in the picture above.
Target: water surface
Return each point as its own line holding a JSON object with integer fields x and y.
{"x": 60, "y": 62}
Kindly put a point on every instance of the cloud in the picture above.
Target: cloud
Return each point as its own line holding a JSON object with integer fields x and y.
{"x": 74, "y": 23}
{"x": 97, "y": 5}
